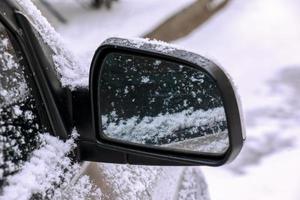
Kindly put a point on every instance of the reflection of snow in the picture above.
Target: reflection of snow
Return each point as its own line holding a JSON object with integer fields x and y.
{"x": 157, "y": 62}
{"x": 145, "y": 79}
{"x": 194, "y": 79}
{"x": 163, "y": 127}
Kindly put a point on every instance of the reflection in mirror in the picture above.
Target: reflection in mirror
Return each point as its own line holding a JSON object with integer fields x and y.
{"x": 154, "y": 102}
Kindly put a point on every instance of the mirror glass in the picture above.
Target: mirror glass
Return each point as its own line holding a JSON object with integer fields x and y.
{"x": 158, "y": 103}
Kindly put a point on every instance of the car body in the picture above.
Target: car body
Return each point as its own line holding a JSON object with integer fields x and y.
{"x": 45, "y": 86}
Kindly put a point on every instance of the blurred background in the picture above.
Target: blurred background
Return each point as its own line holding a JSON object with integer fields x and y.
{"x": 257, "y": 42}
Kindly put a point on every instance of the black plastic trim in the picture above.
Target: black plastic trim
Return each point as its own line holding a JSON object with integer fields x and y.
{"x": 38, "y": 64}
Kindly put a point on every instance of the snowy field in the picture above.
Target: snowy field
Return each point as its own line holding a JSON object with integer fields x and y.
{"x": 258, "y": 43}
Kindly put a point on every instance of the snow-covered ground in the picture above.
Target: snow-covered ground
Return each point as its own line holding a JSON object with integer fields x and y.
{"x": 258, "y": 43}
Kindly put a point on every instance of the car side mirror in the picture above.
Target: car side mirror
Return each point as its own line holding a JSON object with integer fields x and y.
{"x": 154, "y": 104}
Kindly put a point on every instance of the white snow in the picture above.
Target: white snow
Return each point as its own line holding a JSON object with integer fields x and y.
{"x": 17, "y": 111}
{"x": 145, "y": 79}
{"x": 9, "y": 65}
{"x": 48, "y": 167}
{"x": 149, "y": 183}
{"x": 130, "y": 182}
{"x": 72, "y": 73}
{"x": 154, "y": 129}
{"x": 159, "y": 45}
{"x": 190, "y": 189}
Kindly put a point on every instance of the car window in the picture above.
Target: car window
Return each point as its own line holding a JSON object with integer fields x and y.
{"x": 20, "y": 125}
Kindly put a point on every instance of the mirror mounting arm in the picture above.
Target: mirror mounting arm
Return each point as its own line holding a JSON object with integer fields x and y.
{"x": 82, "y": 115}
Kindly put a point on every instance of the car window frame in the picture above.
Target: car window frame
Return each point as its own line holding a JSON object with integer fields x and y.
{"x": 56, "y": 99}
{"x": 41, "y": 118}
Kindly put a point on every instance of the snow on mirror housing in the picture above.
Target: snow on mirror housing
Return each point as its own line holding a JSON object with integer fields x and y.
{"x": 154, "y": 104}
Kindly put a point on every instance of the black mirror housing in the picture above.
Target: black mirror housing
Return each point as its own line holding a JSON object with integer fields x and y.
{"x": 93, "y": 146}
